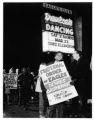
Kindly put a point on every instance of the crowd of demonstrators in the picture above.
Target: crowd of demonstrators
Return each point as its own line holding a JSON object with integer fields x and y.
{"x": 72, "y": 107}
{"x": 28, "y": 85}
{"x": 24, "y": 90}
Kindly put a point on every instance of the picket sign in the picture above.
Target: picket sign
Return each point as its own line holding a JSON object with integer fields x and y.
{"x": 10, "y": 80}
{"x": 56, "y": 80}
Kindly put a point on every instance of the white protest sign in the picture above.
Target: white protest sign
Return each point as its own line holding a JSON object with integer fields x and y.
{"x": 11, "y": 83}
{"x": 56, "y": 80}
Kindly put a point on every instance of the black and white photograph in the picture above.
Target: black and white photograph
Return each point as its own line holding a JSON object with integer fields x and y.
{"x": 47, "y": 60}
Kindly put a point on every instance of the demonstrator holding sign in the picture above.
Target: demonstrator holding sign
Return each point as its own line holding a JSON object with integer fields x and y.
{"x": 56, "y": 81}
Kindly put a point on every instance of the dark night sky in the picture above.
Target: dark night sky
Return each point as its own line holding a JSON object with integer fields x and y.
{"x": 23, "y": 32}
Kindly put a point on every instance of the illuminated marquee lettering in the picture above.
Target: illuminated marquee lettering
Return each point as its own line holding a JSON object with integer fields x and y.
{"x": 59, "y": 20}
{"x": 63, "y": 45}
{"x": 62, "y": 36}
{"x": 59, "y": 29}
{"x": 52, "y": 43}
{"x": 61, "y": 40}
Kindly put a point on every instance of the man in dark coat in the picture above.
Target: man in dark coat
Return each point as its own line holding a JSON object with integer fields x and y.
{"x": 25, "y": 80}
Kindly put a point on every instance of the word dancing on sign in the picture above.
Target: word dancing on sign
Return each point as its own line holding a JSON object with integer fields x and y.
{"x": 59, "y": 29}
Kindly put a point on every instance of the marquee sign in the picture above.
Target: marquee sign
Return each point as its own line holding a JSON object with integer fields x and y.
{"x": 57, "y": 34}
